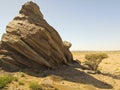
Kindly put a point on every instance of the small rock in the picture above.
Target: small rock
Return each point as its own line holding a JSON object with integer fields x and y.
{"x": 47, "y": 82}
{"x": 84, "y": 66}
{"x": 90, "y": 71}
{"x": 67, "y": 44}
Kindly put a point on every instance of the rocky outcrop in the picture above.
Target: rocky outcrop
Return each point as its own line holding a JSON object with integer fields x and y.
{"x": 30, "y": 42}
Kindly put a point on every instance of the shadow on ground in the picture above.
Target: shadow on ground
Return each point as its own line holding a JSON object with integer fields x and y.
{"x": 70, "y": 73}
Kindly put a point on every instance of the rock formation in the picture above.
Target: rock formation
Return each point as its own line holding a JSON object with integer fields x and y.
{"x": 30, "y": 42}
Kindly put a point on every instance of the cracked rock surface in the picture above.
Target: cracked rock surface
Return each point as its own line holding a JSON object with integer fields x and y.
{"x": 30, "y": 42}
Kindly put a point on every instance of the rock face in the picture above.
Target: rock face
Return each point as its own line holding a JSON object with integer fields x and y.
{"x": 30, "y": 42}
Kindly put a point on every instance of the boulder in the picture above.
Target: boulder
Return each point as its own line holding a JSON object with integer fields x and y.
{"x": 67, "y": 44}
{"x": 30, "y": 42}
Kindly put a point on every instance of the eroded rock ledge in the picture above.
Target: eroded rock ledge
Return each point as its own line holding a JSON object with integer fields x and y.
{"x": 30, "y": 42}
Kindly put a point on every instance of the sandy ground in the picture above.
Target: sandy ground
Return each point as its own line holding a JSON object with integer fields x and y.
{"x": 72, "y": 77}
{"x": 109, "y": 67}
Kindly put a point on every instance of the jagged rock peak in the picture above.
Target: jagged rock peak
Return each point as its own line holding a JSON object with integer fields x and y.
{"x": 31, "y": 8}
{"x": 30, "y": 42}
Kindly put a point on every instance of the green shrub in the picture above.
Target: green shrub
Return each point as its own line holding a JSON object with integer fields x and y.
{"x": 4, "y": 80}
{"x": 22, "y": 75}
{"x": 35, "y": 86}
{"x": 93, "y": 60}
{"x": 21, "y": 83}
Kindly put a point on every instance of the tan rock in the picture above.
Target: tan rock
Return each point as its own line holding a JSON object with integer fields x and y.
{"x": 67, "y": 44}
{"x": 31, "y": 42}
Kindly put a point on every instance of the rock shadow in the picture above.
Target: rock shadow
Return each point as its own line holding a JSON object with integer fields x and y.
{"x": 70, "y": 73}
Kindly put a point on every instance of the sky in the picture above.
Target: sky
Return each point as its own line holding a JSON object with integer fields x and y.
{"x": 87, "y": 24}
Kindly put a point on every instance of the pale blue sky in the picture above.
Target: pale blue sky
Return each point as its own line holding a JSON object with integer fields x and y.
{"x": 87, "y": 24}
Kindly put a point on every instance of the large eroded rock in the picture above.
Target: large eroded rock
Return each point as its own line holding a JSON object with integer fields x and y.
{"x": 31, "y": 42}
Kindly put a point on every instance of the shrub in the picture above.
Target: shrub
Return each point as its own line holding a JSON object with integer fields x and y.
{"x": 93, "y": 60}
{"x": 22, "y": 75}
{"x": 4, "y": 80}
{"x": 21, "y": 83}
{"x": 35, "y": 86}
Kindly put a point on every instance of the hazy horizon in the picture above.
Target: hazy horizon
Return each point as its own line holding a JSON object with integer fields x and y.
{"x": 90, "y": 25}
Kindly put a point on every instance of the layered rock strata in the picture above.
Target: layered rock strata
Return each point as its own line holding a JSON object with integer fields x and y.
{"x": 30, "y": 42}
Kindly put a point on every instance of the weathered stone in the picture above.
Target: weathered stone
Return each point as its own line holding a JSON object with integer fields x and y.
{"x": 31, "y": 42}
{"x": 67, "y": 44}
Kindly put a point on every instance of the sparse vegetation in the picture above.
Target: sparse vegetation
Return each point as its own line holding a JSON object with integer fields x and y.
{"x": 4, "y": 80}
{"x": 21, "y": 83}
{"x": 99, "y": 68}
{"x": 69, "y": 78}
{"x": 22, "y": 74}
{"x": 35, "y": 86}
{"x": 93, "y": 60}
